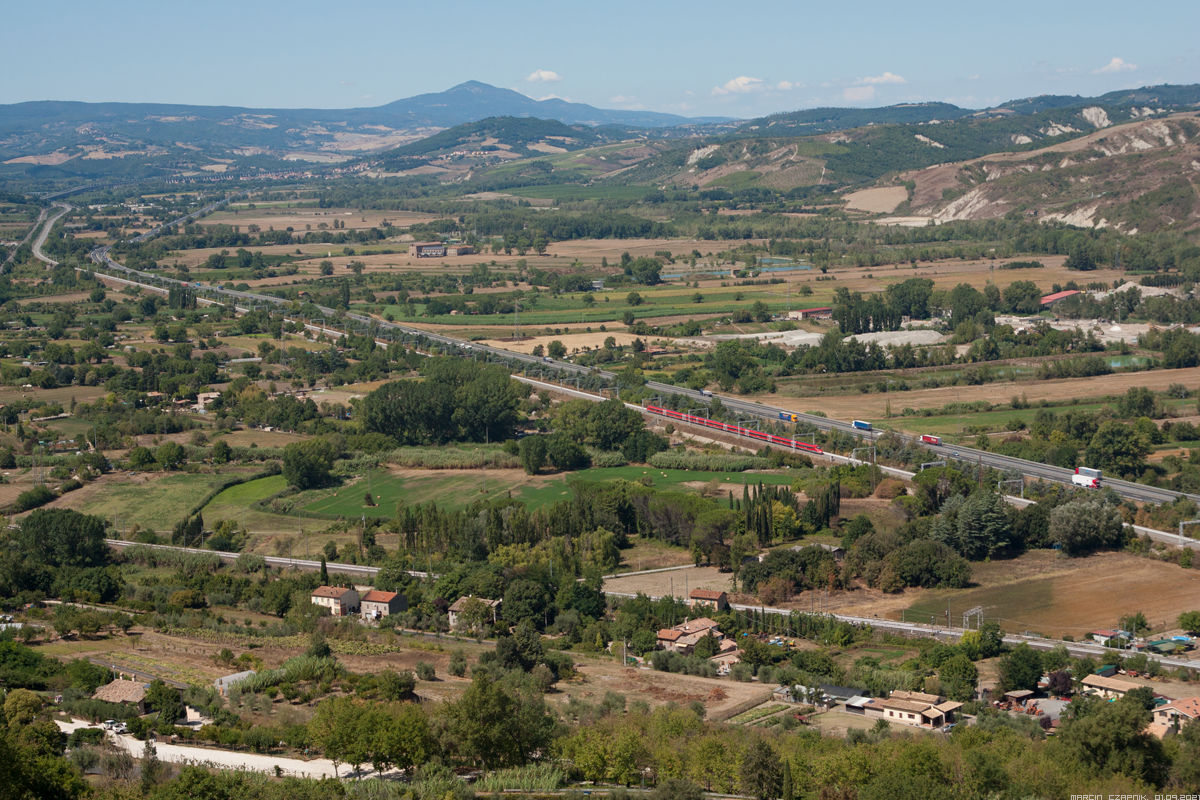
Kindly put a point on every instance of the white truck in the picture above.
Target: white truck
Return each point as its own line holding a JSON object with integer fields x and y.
{"x": 1086, "y": 477}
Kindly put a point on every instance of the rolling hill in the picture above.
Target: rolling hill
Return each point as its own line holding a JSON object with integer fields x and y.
{"x": 1142, "y": 176}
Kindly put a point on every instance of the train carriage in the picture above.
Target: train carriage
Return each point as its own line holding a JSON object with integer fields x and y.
{"x": 726, "y": 427}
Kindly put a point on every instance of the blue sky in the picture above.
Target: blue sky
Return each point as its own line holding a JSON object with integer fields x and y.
{"x": 692, "y": 58}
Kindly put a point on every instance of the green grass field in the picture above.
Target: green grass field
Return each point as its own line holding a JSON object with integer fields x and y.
{"x": 157, "y": 505}
{"x": 1012, "y": 605}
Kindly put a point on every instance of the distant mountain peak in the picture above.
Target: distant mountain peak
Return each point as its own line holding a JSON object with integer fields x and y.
{"x": 471, "y": 101}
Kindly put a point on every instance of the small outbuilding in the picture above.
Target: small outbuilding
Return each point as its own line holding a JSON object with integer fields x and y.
{"x": 224, "y": 684}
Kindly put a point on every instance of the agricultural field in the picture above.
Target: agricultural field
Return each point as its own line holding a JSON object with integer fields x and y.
{"x": 873, "y": 406}
{"x": 677, "y": 582}
{"x": 1055, "y": 596}
{"x": 152, "y": 500}
{"x": 455, "y": 488}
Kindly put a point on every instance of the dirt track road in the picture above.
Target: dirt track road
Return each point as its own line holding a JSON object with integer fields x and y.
{"x": 186, "y": 754}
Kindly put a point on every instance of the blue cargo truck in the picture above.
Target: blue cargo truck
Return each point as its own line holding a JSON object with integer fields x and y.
{"x": 862, "y": 426}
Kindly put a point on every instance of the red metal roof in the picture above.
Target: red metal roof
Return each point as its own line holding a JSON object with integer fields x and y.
{"x": 1050, "y": 298}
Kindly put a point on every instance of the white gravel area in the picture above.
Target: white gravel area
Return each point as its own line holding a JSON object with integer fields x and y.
{"x": 797, "y": 338}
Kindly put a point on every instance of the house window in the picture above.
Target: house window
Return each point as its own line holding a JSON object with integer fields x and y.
{"x": 910, "y": 716}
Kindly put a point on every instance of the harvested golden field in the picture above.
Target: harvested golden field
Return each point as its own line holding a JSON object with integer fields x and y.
{"x": 881, "y": 200}
{"x": 571, "y": 341}
{"x": 1055, "y": 596}
{"x": 260, "y": 438}
{"x": 280, "y": 216}
{"x": 874, "y": 405}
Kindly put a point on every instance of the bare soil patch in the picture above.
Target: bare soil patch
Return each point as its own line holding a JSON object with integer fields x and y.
{"x": 658, "y": 688}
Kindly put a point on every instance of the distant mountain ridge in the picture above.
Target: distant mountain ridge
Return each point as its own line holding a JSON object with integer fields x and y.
{"x": 826, "y": 120}
{"x": 466, "y": 102}
{"x": 76, "y": 141}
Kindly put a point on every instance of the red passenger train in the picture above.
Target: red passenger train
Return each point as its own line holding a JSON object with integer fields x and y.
{"x": 780, "y": 441}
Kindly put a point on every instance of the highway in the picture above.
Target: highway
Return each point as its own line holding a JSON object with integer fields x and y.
{"x": 38, "y": 243}
{"x": 1029, "y": 469}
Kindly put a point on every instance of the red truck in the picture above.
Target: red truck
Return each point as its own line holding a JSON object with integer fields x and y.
{"x": 927, "y": 439}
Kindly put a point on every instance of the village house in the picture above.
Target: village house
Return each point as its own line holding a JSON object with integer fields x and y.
{"x": 205, "y": 399}
{"x": 1170, "y": 718}
{"x": 340, "y": 601}
{"x": 1108, "y": 687}
{"x": 460, "y": 604}
{"x": 122, "y": 691}
{"x": 668, "y": 637}
{"x": 917, "y": 709}
{"x": 717, "y": 599}
{"x": 838, "y": 553}
{"x": 376, "y": 604}
{"x": 683, "y": 638}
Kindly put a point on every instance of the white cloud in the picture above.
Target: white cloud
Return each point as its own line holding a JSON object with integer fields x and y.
{"x": 858, "y": 94}
{"x": 554, "y": 97}
{"x": 543, "y": 76}
{"x": 972, "y": 77}
{"x": 886, "y": 77}
{"x": 622, "y": 99}
{"x": 1116, "y": 65}
{"x": 741, "y": 85}
{"x": 747, "y": 85}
